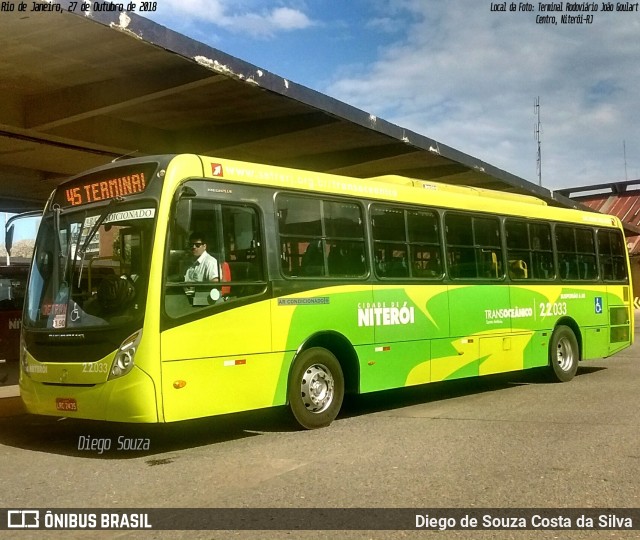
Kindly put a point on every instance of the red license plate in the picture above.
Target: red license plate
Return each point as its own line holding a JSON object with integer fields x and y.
{"x": 66, "y": 404}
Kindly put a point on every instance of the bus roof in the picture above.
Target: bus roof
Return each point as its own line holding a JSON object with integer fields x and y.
{"x": 462, "y": 190}
{"x": 393, "y": 188}
{"x": 401, "y": 189}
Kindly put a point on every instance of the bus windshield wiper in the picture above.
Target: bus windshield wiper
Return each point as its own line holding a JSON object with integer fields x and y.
{"x": 57, "y": 245}
{"x": 56, "y": 226}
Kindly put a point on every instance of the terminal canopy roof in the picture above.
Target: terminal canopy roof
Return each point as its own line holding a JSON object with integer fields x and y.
{"x": 78, "y": 90}
{"x": 621, "y": 199}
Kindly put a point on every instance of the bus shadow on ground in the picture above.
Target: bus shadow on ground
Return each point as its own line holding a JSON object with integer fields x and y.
{"x": 106, "y": 440}
{"x": 387, "y": 400}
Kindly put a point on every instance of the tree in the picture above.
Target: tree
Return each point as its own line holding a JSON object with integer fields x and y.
{"x": 21, "y": 248}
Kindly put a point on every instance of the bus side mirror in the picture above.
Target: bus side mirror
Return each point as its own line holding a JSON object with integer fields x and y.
{"x": 9, "y": 228}
{"x": 184, "y": 202}
{"x": 8, "y": 239}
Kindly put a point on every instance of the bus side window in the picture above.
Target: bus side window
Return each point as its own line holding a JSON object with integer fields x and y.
{"x": 612, "y": 256}
{"x": 423, "y": 229}
{"x": 473, "y": 247}
{"x": 320, "y": 237}
{"x": 233, "y": 237}
{"x": 406, "y": 242}
{"x": 586, "y": 259}
{"x": 519, "y": 250}
{"x": 567, "y": 255}
{"x": 242, "y": 252}
{"x": 576, "y": 253}
{"x": 542, "y": 252}
{"x": 389, "y": 240}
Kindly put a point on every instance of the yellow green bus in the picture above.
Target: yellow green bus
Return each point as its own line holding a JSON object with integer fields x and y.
{"x": 175, "y": 287}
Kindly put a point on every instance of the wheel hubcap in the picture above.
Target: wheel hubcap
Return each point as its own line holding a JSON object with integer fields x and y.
{"x": 317, "y": 388}
{"x": 564, "y": 354}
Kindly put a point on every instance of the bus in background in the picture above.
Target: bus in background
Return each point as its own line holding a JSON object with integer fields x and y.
{"x": 315, "y": 285}
{"x": 13, "y": 284}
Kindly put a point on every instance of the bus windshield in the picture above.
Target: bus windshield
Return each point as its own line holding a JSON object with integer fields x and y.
{"x": 90, "y": 266}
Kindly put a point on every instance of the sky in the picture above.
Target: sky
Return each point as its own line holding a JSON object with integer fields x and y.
{"x": 455, "y": 71}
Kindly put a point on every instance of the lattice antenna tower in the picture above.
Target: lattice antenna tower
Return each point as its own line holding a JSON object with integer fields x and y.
{"x": 537, "y": 133}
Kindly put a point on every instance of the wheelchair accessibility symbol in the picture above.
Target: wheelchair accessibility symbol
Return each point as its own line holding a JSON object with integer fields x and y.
{"x": 598, "y": 305}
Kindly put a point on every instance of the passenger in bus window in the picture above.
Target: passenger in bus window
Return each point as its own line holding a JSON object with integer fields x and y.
{"x": 204, "y": 266}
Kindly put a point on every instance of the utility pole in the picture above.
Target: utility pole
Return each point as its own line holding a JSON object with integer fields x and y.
{"x": 537, "y": 130}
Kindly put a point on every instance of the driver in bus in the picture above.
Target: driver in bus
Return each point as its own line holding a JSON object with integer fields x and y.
{"x": 204, "y": 266}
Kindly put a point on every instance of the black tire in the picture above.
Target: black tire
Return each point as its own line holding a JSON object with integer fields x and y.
{"x": 316, "y": 388}
{"x": 564, "y": 354}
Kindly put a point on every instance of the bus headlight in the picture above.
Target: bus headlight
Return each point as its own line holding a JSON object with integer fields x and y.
{"x": 123, "y": 362}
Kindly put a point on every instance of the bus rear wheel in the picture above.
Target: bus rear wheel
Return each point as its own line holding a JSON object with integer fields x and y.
{"x": 564, "y": 354}
{"x": 316, "y": 388}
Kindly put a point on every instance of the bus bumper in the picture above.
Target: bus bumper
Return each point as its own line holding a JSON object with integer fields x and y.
{"x": 131, "y": 398}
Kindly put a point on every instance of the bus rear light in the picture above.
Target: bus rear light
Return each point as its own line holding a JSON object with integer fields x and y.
{"x": 123, "y": 361}
{"x": 179, "y": 384}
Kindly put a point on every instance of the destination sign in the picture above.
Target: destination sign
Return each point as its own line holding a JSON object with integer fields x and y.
{"x": 105, "y": 185}
{"x": 106, "y": 189}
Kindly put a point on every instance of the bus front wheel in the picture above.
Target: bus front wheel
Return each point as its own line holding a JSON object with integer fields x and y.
{"x": 316, "y": 388}
{"x": 564, "y": 354}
